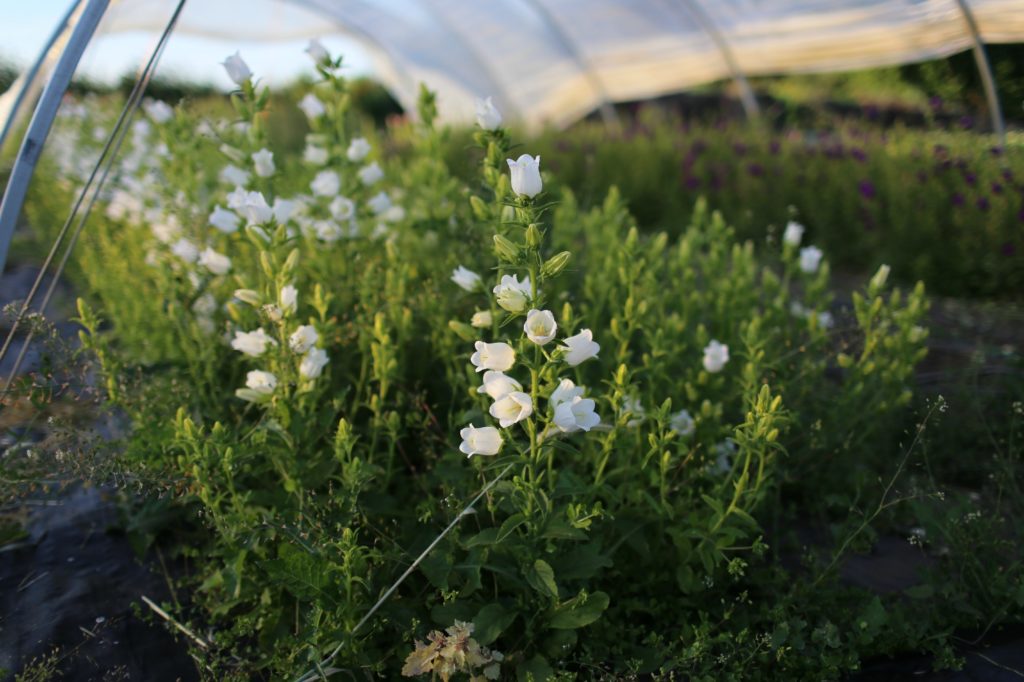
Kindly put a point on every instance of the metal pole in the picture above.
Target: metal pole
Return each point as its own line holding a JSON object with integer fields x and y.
{"x": 747, "y": 98}
{"x": 29, "y": 77}
{"x": 106, "y": 162}
{"x": 985, "y": 69}
{"x": 608, "y": 113}
{"x": 42, "y": 121}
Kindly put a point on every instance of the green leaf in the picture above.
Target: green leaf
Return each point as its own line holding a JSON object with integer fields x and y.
{"x": 304, "y": 575}
{"x": 510, "y": 524}
{"x": 559, "y": 529}
{"x": 920, "y": 592}
{"x": 437, "y": 566}
{"x": 536, "y": 669}
{"x": 582, "y": 562}
{"x": 542, "y": 578}
{"x": 579, "y": 611}
{"x": 488, "y": 536}
{"x": 490, "y": 622}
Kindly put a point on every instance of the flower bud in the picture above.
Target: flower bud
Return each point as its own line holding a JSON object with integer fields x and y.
{"x": 555, "y": 264}
{"x": 462, "y": 330}
{"x": 480, "y": 211}
{"x": 505, "y": 249}
{"x": 533, "y": 236}
{"x": 248, "y": 296}
{"x": 879, "y": 279}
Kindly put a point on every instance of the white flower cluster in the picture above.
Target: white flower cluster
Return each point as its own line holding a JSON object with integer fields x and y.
{"x": 261, "y": 384}
{"x": 570, "y": 411}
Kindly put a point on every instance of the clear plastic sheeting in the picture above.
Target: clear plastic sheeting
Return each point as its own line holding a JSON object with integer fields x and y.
{"x": 553, "y": 61}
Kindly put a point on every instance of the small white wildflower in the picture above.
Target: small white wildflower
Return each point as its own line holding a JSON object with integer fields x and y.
{"x": 580, "y": 348}
{"x": 810, "y": 258}
{"x": 466, "y": 278}
{"x": 540, "y": 326}
{"x": 496, "y": 356}
{"x": 303, "y": 338}
{"x": 483, "y": 441}
{"x": 716, "y": 355}
{"x": 512, "y": 408}
{"x": 313, "y": 363}
{"x": 217, "y": 263}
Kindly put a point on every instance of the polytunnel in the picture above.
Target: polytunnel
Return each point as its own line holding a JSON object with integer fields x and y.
{"x": 545, "y": 62}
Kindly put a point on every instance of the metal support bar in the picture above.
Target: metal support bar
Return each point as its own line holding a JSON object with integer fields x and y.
{"x": 103, "y": 166}
{"x": 985, "y": 70}
{"x": 608, "y": 113}
{"x": 747, "y": 98}
{"x": 42, "y": 121}
{"x": 29, "y": 77}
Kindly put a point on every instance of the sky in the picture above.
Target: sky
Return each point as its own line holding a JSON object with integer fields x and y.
{"x": 26, "y": 25}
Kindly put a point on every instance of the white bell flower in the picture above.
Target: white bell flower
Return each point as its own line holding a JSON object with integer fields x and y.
{"x": 263, "y": 162}
{"x": 205, "y": 305}
{"x": 511, "y": 294}
{"x": 342, "y": 208}
{"x": 328, "y": 231}
{"x": 512, "y": 408}
{"x": 526, "y": 175}
{"x": 303, "y": 338}
{"x": 483, "y": 441}
{"x": 466, "y": 278}
{"x": 793, "y": 234}
{"x": 288, "y": 298}
{"x": 158, "y": 110}
{"x": 482, "y": 319}
{"x": 325, "y": 184}
{"x": 185, "y": 250}
{"x": 313, "y": 362}
{"x": 540, "y": 326}
{"x": 317, "y": 52}
{"x": 634, "y": 407}
{"x": 217, "y": 263}
{"x": 313, "y": 155}
{"x": 238, "y": 70}
{"x": 723, "y": 453}
{"x": 262, "y": 382}
{"x": 253, "y": 344}
{"x": 487, "y": 115}
{"x": 379, "y": 203}
{"x": 564, "y": 392}
{"x": 233, "y": 175}
{"x": 497, "y": 385}
{"x": 254, "y": 207}
{"x": 576, "y": 415}
{"x": 224, "y": 220}
{"x": 715, "y": 356}
{"x": 312, "y": 107}
{"x": 370, "y": 174}
{"x": 810, "y": 258}
{"x": 580, "y": 348}
{"x": 682, "y": 423}
{"x": 284, "y": 209}
{"x": 497, "y": 356}
{"x": 358, "y": 149}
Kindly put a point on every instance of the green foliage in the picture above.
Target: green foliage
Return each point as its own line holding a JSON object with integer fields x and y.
{"x": 295, "y": 414}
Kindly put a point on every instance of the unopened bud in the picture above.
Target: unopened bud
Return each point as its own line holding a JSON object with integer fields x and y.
{"x": 248, "y": 296}
{"x": 463, "y": 330}
{"x": 555, "y": 264}
{"x": 533, "y": 236}
{"x": 505, "y": 249}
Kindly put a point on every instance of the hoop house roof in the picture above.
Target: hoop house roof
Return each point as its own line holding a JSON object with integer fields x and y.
{"x": 552, "y": 61}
